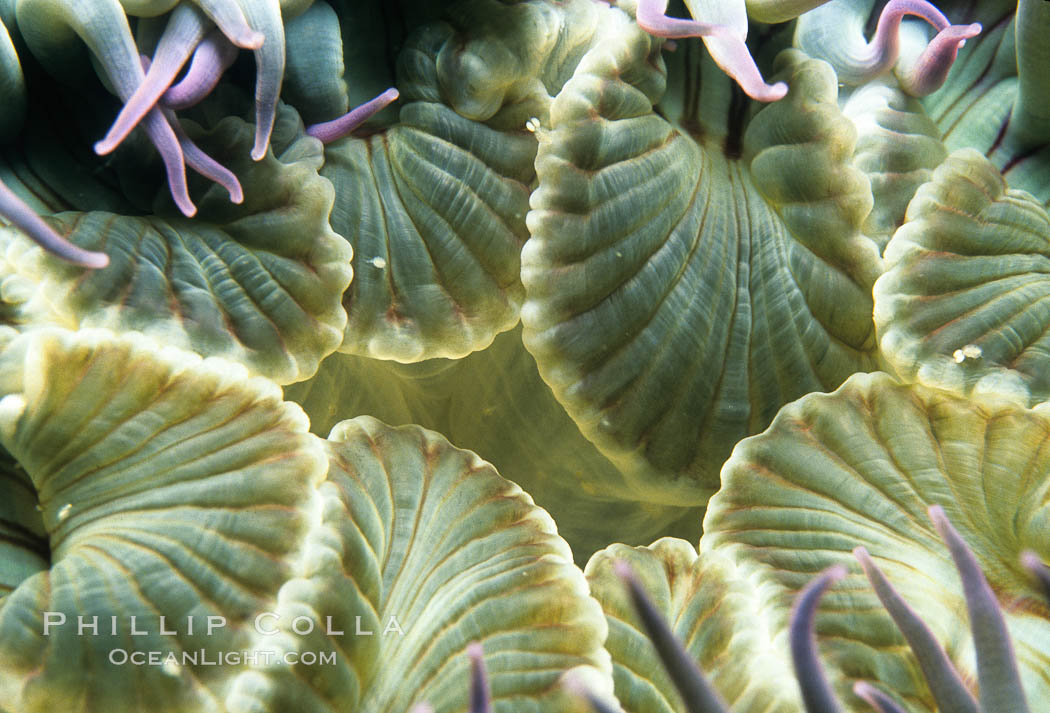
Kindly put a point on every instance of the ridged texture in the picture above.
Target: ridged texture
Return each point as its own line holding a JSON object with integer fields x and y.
{"x": 861, "y": 467}
{"x": 965, "y": 303}
{"x": 898, "y": 146}
{"x": 435, "y": 206}
{"x": 676, "y": 296}
{"x": 168, "y": 486}
{"x": 974, "y": 108}
{"x": 434, "y": 209}
{"x": 723, "y": 621}
{"x": 258, "y": 283}
{"x": 415, "y": 529}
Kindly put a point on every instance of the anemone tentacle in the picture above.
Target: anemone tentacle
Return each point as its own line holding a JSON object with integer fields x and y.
{"x": 652, "y": 17}
{"x": 336, "y": 129}
{"x": 876, "y": 698}
{"x": 1039, "y": 570}
{"x": 204, "y": 164}
{"x": 1030, "y": 119}
{"x": 14, "y": 209}
{"x": 936, "y": 60}
{"x": 817, "y": 695}
{"x": 185, "y": 29}
{"x": 195, "y": 157}
{"x": 697, "y": 692}
{"x": 998, "y": 680}
{"x": 725, "y": 42}
{"x": 835, "y": 32}
{"x": 480, "y": 695}
{"x": 211, "y": 58}
{"x": 229, "y": 18}
{"x": 265, "y": 15}
{"x": 104, "y": 28}
{"x": 944, "y": 681}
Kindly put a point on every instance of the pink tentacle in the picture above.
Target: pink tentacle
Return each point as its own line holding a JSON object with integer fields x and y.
{"x": 21, "y": 216}
{"x": 336, "y": 129}
{"x": 936, "y": 60}
{"x": 213, "y": 56}
{"x": 184, "y": 31}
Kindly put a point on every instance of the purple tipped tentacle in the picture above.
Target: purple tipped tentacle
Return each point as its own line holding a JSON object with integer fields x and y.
{"x": 698, "y": 695}
{"x": 185, "y": 29}
{"x": 269, "y": 73}
{"x": 651, "y": 16}
{"x": 998, "y": 681}
{"x": 480, "y": 695}
{"x": 936, "y": 60}
{"x": 817, "y": 695}
{"x": 944, "y": 681}
{"x": 336, "y": 129}
{"x": 162, "y": 134}
{"x": 1039, "y": 570}
{"x": 213, "y": 56}
{"x": 858, "y": 61}
{"x": 734, "y": 58}
{"x": 229, "y": 18}
{"x": 163, "y": 137}
{"x": 194, "y": 157}
{"x": 877, "y": 699}
{"x": 885, "y": 46}
{"x": 117, "y": 54}
{"x": 204, "y": 164}
{"x": 21, "y": 216}
{"x": 725, "y": 44}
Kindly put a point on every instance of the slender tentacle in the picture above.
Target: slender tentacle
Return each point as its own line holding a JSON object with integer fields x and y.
{"x": 265, "y": 15}
{"x": 876, "y": 698}
{"x": 998, "y": 680}
{"x": 185, "y": 29}
{"x": 20, "y": 215}
{"x": 725, "y": 43}
{"x": 480, "y": 695}
{"x": 195, "y": 157}
{"x": 228, "y": 17}
{"x": 817, "y": 695}
{"x": 936, "y": 60}
{"x": 103, "y": 27}
{"x": 835, "y": 32}
{"x": 213, "y": 56}
{"x": 944, "y": 681}
{"x": 652, "y": 17}
{"x": 336, "y": 129}
{"x": 698, "y": 695}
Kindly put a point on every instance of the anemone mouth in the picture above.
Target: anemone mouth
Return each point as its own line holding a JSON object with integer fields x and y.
{"x": 708, "y": 104}
{"x": 24, "y": 541}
